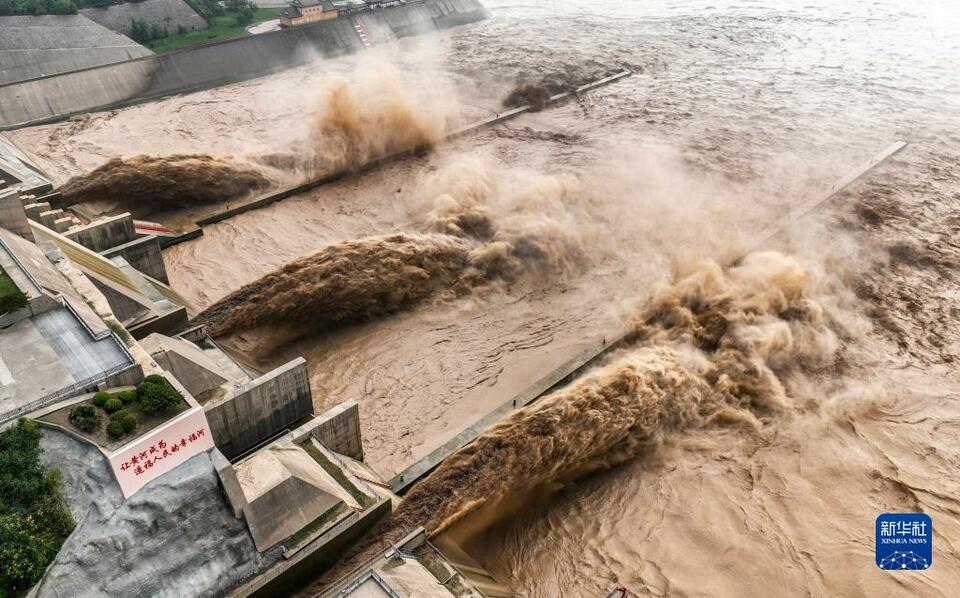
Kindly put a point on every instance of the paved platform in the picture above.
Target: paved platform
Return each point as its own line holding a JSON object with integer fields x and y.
{"x": 49, "y": 352}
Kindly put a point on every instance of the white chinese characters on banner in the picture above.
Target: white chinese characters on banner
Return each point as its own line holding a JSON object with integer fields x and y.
{"x": 161, "y": 450}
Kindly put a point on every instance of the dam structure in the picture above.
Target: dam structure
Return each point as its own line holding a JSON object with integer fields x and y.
{"x": 249, "y": 490}
{"x": 288, "y": 488}
{"x": 55, "y": 97}
{"x": 408, "y": 298}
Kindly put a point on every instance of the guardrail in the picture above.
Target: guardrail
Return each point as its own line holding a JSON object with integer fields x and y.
{"x": 64, "y": 393}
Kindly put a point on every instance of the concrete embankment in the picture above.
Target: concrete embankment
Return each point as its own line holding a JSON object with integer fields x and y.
{"x": 52, "y": 98}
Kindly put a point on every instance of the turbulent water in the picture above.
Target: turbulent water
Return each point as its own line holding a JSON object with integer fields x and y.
{"x": 347, "y": 282}
{"x": 148, "y": 184}
{"x": 716, "y": 349}
{"x": 736, "y": 112}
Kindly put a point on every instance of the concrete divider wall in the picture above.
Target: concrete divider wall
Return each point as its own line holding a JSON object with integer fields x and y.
{"x": 451, "y": 13}
{"x": 144, "y": 254}
{"x": 55, "y": 97}
{"x": 415, "y": 19}
{"x": 62, "y": 95}
{"x": 260, "y": 409}
{"x": 105, "y": 233}
{"x": 337, "y": 428}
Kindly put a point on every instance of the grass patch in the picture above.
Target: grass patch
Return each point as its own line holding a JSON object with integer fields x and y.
{"x": 364, "y": 500}
{"x": 332, "y": 514}
{"x": 221, "y": 29}
{"x": 441, "y": 571}
{"x": 119, "y": 330}
{"x": 11, "y": 298}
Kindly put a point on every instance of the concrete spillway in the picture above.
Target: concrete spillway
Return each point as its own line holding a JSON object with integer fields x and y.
{"x": 47, "y": 99}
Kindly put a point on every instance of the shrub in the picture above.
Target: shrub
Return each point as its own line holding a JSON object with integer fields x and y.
{"x": 113, "y": 405}
{"x": 101, "y": 398}
{"x": 156, "y": 395}
{"x": 33, "y": 521}
{"x": 129, "y": 423}
{"x": 115, "y": 429}
{"x": 127, "y": 396}
{"x": 85, "y": 417}
{"x": 154, "y": 379}
{"x": 126, "y": 419}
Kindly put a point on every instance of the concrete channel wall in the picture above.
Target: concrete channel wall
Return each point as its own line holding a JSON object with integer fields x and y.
{"x": 144, "y": 254}
{"x": 104, "y": 233}
{"x": 47, "y": 99}
{"x": 338, "y": 429}
{"x": 260, "y": 409}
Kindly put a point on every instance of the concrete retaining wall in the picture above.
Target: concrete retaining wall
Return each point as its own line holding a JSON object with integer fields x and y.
{"x": 144, "y": 254}
{"x": 115, "y": 236}
{"x": 293, "y": 574}
{"x": 338, "y": 429}
{"x": 104, "y": 234}
{"x": 12, "y": 215}
{"x": 260, "y": 409}
{"x": 56, "y": 97}
{"x": 43, "y": 45}
{"x": 165, "y": 323}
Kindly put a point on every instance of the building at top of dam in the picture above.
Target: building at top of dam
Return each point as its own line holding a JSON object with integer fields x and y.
{"x": 300, "y": 12}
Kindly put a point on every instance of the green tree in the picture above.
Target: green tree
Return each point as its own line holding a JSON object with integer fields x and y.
{"x": 33, "y": 520}
{"x": 244, "y": 15}
{"x": 37, "y": 7}
{"x": 85, "y": 417}
{"x": 157, "y": 32}
{"x": 100, "y": 398}
{"x": 139, "y": 32}
{"x": 63, "y": 7}
{"x": 127, "y": 396}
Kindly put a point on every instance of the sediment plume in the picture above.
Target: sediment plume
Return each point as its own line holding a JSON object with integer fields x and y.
{"x": 484, "y": 236}
{"x": 350, "y": 281}
{"x": 527, "y": 223}
{"x": 528, "y": 93}
{"x": 145, "y": 184}
{"x": 378, "y": 112}
{"x": 536, "y": 91}
{"x": 721, "y": 347}
{"x": 356, "y": 281}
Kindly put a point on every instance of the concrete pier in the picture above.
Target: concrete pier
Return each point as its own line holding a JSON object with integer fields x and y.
{"x": 13, "y": 215}
{"x": 260, "y": 409}
{"x": 115, "y": 236}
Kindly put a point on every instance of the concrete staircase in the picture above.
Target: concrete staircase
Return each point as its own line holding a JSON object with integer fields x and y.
{"x": 362, "y": 32}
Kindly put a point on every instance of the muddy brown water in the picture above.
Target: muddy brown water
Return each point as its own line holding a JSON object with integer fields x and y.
{"x": 737, "y": 110}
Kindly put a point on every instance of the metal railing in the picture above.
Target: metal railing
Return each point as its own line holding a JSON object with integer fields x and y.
{"x": 65, "y": 393}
